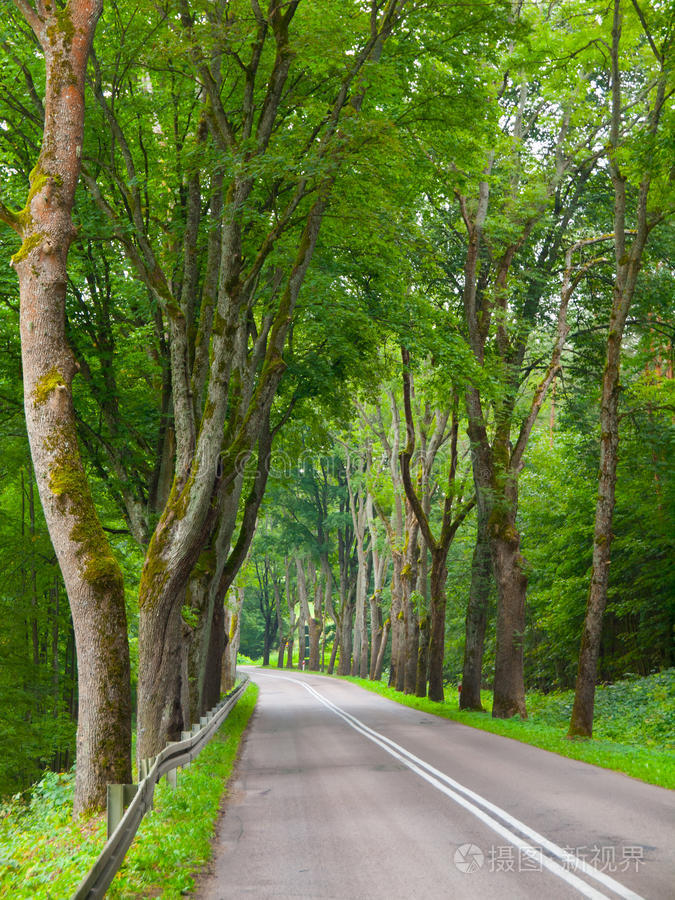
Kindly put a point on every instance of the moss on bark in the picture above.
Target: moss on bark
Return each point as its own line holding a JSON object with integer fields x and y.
{"x": 68, "y": 482}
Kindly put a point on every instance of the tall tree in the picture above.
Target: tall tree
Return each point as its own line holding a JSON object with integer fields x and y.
{"x": 91, "y": 573}
{"x": 628, "y": 258}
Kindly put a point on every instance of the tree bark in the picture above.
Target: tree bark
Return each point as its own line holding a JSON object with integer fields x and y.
{"x": 91, "y": 573}
{"x": 377, "y": 675}
{"x": 280, "y": 626}
{"x": 476, "y": 617}
{"x": 346, "y": 631}
{"x": 334, "y": 652}
{"x": 232, "y": 629}
{"x": 509, "y": 685}
{"x": 423, "y": 659}
{"x": 410, "y": 613}
{"x": 214, "y": 660}
{"x": 315, "y": 624}
{"x": 396, "y": 616}
{"x": 437, "y": 605}
{"x": 290, "y": 603}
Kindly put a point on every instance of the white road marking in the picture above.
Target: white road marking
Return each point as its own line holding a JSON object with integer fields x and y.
{"x": 453, "y": 789}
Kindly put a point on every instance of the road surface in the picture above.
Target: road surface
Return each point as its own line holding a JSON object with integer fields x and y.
{"x": 342, "y": 794}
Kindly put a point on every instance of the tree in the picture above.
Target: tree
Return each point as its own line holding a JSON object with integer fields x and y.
{"x": 628, "y": 258}
{"x": 451, "y": 520}
{"x": 229, "y": 327}
{"x": 91, "y": 573}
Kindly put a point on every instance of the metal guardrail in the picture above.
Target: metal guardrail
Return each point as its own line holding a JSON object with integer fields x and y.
{"x": 179, "y": 753}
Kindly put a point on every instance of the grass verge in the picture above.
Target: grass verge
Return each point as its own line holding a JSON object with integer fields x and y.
{"x": 653, "y": 764}
{"x": 44, "y": 853}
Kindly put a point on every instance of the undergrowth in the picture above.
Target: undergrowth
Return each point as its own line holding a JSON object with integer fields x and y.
{"x": 45, "y": 853}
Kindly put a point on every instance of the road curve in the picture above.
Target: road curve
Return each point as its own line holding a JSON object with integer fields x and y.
{"x": 343, "y": 794}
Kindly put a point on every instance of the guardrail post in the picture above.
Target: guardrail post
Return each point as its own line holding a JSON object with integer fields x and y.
{"x": 185, "y": 736}
{"x": 119, "y": 797}
{"x": 172, "y": 775}
{"x": 145, "y": 766}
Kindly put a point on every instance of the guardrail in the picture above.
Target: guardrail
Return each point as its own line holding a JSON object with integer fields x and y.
{"x": 122, "y": 826}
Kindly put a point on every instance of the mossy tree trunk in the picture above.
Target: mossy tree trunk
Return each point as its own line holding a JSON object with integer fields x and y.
{"x": 216, "y": 570}
{"x": 91, "y": 573}
{"x": 396, "y": 618}
{"x": 509, "y": 683}
{"x": 411, "y": 625}
{"x": 423, "y": 658}
{"x": 476, "y": 615}
{"x": 437, "y": 605}
{"x": 214, "y": 660}
{"x": 231, "y": 633}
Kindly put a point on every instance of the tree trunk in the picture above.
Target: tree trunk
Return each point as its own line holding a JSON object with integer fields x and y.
{"x": 476, "y": 617}
{"x": 160, "y": 679}
{"x": 509, "y": 684}
{"x": 302, "y": 641}
{"x": 315, "y": 627}
{"x": 91, "y": 574}
{"x": 377, "y": 675}
{"x": 360, "y": 646}
{"x": 290, "y": 603}
{"x": 437, "y": 604}
{"x": 376, "y": 631}
{"x": 333, "y": 654}
{"x": 214, "y": 660}
{"x": 280, "y": 626}
{"x": 397, "y": 633}
{"x": 197, "y": 599}
{"x": 581, "y": 723}
{"x": 422, "y": 673}
{"x": 628, "y": 259}
{"x": 184, "y": 681}
{"x": 231, "y": 629}
{"x": 410, "y": 614}
{"x": 346, "y": 631}
{"x": 423, "y": 659}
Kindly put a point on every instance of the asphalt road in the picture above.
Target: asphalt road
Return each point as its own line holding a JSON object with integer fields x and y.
{"x": 343, "y": 794}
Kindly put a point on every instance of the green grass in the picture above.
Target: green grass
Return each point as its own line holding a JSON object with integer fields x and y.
{"x": 44, "y": 853}
{"x": 634, "y": 724}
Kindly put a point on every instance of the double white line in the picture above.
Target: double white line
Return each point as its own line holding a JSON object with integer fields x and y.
{"x": 477, "y": 806}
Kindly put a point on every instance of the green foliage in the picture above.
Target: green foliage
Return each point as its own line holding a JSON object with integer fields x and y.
{"x": 635, "y": 710}
{"x": 44, "y": 853}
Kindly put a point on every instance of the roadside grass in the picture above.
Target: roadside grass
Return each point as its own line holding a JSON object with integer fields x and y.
{"x": 44, "y": 853}
{"x": 634, "y": 723}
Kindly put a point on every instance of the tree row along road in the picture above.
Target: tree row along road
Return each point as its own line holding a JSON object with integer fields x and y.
{"x": 341, "y": 793}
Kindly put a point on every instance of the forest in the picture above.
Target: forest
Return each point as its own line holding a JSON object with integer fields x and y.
{"x": 338, "y": 333}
